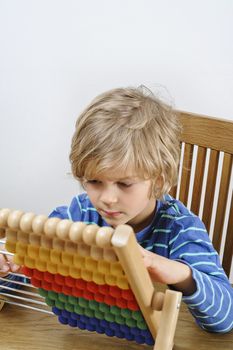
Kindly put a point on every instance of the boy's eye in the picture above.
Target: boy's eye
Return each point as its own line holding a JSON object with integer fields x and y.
{"x": 92, "y": 182}
{"x": 124, "y": 184}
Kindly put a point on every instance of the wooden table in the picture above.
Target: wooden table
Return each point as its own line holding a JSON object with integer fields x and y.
{"x": 22, "y": 329}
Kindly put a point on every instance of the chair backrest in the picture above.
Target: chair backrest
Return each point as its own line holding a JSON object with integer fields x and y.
{"x": 205, "y": 178}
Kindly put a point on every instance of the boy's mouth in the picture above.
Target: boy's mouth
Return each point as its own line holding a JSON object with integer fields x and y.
{"x": 110, "y": 213}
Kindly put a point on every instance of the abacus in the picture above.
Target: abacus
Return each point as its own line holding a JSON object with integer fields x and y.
{"x": 92, "y": 277}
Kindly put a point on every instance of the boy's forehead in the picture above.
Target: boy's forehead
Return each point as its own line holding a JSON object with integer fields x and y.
{"x": 117, "y": 175}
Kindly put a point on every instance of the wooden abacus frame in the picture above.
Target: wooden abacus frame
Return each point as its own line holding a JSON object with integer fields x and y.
{"x": 35, "y": 239}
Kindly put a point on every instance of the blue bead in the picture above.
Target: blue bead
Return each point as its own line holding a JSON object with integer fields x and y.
{"x": 119, "y": 334}
{"x": 124, "y": 328}
{"x": 81, "y": 325}
{"x": 135, "y": 331}
{"x": 63, "y": 320}
{"x": 149, "y": 341}
{"x": 74, "y": 316}
{"x": 94, "y": 321}
{"x": 56, "y": 311}
{"x": 72, "y": 323}
{"x": 146, "y": 333}
{"x": 104, "y": 323}
{"x": 109, "y": 332}
{"x": 65, "y": 313}
{"x": 90, "y": 327}
{"x": 129, "y": 336}
{"x": 139, "y": 339}
{"x": 84, "y": 319}
{"x": 99, "y": 329}
{"x": 114, "y": 326}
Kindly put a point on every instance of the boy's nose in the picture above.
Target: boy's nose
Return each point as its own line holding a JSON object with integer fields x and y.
{"x": 108, "y": 196}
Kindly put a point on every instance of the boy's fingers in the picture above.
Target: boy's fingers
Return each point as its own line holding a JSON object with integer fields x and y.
{"x": 14, "y": 267}
{"x": 4, "y": 266}
{"x": 7, "y": 264}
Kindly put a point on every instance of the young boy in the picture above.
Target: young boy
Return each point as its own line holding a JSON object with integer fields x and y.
{"x": 125, "y": 152}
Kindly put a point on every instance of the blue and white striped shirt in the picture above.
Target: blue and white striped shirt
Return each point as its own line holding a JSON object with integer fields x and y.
{"x": 177, "y": 234}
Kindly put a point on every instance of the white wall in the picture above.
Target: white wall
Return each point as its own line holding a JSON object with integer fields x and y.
{"x": 56, "y": 55}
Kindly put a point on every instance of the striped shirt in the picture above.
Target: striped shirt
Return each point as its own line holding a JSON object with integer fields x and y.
{"x": 7, "y": 282}
{"x": 177, "y": 234}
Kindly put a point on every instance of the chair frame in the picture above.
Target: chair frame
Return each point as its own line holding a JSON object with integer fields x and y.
{"x": 215, "y": 136}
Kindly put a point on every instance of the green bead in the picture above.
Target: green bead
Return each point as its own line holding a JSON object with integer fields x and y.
{"x": 52, "y": 295}
{"x": 89, "y": 313}
{"x": 142, "y": 325}
{"x": 79, "y": 310}
{"x": 72, "y": 300}
{"x": 83, "y": 302}
{"x": 109, "y": 317}
{"x": 93, "y": 305}
{"x": 59, "y": 304}
{"x": 69, "y": 307}
{"x": 49, "y": 302}
{"x": 130, "y": 322}
{"x": 62, "y": 297}
{"x": 99, "y": 314}
{"x": 42, "y": 292}
{"x": 119, "y": 319}
{"x": 115, "y": 310}
{"x": 126, "y": 313}
{"x": 104, "y": 308}
{"x": 137, "y": 315}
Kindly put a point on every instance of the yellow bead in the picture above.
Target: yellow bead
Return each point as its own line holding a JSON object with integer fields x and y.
{"x": 110, "y": 280}
{"x": 55, "y": 256}
{"x": 44, "y": 254}
{"x": 19, "y": 260}
{"x": 51, "y": 267}
{"x": 98, "y": 278}
{"x": 74, "y": 272}
{"x": 67, "y": 258}
{"x": 104, "y": 266}
{"x": 122, "y": 283}
{"x": 41, "y": 265}
{"x": 21, "y": 249}
{"x": 33, "y": 251}
{"x": 29, "y": 262}
{"x": 10, "y": 246}
{"x": 63, "y": 270}
{"x": 90, "y": 264}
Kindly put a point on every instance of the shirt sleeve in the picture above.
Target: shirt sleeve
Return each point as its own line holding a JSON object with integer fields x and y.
{"x": 72, "y": 212}
{"x": 212, "y": 302}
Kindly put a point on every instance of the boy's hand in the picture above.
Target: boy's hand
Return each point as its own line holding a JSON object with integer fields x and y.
{"x": 7, "y": 265}
{"x": 166, "y": 271}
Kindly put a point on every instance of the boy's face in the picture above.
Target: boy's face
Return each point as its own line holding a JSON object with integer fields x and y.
{"x": 122, "y": 199}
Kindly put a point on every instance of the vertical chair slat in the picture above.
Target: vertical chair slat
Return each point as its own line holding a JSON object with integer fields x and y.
{"x": 222, "y": 201}
{"x": 186, "y": 172}
{"x": 173, "y": 191}
{"x": 210, "y": 188}
{"x": 228, "y": 248}
{"x": 198, "y": 180}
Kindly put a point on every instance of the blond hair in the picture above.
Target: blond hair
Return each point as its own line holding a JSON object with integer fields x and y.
{"x": 127, "y": 128}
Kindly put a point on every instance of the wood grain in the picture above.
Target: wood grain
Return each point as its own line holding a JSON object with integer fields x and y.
{"x": 22, "y": 329}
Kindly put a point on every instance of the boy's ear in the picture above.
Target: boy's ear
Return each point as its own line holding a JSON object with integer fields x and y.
{"x": 159, "y": 182}
{"x": 156, "y": 187}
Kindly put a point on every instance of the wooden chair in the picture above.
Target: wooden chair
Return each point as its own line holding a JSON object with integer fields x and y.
{"x": 205, "y": 181}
